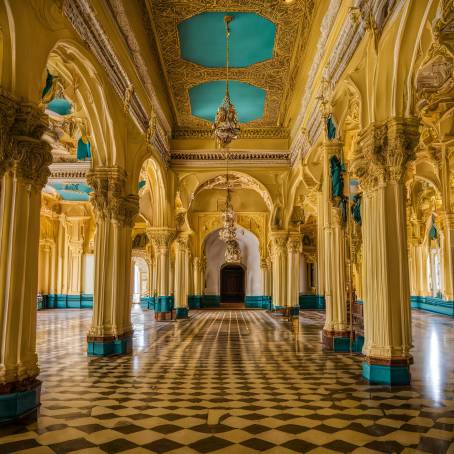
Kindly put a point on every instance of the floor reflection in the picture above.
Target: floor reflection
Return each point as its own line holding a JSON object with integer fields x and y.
{"x": 233, "y": 382}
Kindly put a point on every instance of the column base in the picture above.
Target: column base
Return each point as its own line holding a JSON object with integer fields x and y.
{"x": 19, "y": 401}
{"x": 194, "y": 301}
{"x": 336, "y": 341}
{"x": 163, "y": 308}
{"x": 387, "y": 372}
{"x": 181, "y": 312}
{"x": 109, "y": 345}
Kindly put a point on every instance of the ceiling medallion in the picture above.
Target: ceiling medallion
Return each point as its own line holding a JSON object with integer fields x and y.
{"x": 226, "y": 126}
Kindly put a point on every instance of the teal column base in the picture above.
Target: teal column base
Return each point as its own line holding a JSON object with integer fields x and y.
{"x": 164, "y": 304}
{"x": 20, "y": 404}
{"x": 147, "y": 302}
{"x": 336, "y": 341}
{"x": 294, "y": 311}
{"x": 385, "y": 374}
{"x": 257, "y": 302}
{"x": 314, "y": 302}
{"x": 61, "y": 301}
{"x": 358, "y": 344}
{"x": 211, "y": 301}
{"x": 181, "y": 312}
{"x": 432, "y": 304}
{"x": 108, "y": 346}
{"x": 194, "y": 301}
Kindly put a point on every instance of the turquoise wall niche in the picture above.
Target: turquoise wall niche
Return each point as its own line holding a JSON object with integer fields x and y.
{"x": 249, "y": 100}
{"x": 61, "y": 106}
{"x": 202, "y": 39}
{"x": 83, "y": 150}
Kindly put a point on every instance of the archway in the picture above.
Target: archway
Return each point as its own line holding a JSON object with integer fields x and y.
{"x": 233, "y": 289}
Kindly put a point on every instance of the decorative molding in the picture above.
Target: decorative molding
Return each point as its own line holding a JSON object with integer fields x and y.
{"x": 84, "y": 22}
{"x": 247, "y": 157}
{"x": 277, "y": 75}
{"x": 246, "y": 133}
{"x": 70, "y": 171}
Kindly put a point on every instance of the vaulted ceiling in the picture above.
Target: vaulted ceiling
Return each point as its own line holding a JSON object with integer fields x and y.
{"x": 267, "y": 40}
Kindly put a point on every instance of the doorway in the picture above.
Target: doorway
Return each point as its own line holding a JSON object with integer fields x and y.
{"x": 232, "y": 284}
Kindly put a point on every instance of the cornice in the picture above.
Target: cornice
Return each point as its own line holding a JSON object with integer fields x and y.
{"x": 69, "y": 171}
{"x": 246, "y": 133}
{"x": 238, "y": 157}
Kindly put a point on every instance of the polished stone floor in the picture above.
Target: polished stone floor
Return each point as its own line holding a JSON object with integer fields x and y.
{"x": 233, "y": 382}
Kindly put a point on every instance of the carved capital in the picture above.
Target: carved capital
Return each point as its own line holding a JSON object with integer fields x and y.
{"x": 278, "y": 243}
{"x": 108, "y": 197}
{"x": 161, "y": 238}
{"x": 294, "y": 244}
{"x": 384, "y": 151}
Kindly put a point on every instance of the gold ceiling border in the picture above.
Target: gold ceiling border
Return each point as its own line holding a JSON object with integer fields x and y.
{"x": 276, "y": 76}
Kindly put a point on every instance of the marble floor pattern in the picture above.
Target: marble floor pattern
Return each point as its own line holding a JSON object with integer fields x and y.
{"x": 233, "y": 382}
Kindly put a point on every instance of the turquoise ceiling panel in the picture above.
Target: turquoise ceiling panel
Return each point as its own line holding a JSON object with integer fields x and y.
{"x": 76, "y": 192}
{"x": 248, "y": 100}
{"x": 202, "y": 39}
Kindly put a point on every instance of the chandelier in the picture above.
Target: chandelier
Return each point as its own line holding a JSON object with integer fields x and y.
{"x": 228, "y": 231}
{"x": 226, "y": 126}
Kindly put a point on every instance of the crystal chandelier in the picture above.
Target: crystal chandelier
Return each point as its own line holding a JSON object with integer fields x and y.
{"x": 228, "y": 231}
{"x": 226, "y": 127}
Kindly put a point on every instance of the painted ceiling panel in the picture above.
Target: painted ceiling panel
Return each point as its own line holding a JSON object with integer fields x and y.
{"x": 249, "y": 101}
{"x": 266, "y": 37}
{"x": 202, "y": 39}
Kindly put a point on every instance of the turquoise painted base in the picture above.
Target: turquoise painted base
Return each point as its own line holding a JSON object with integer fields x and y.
{"x": 194, "y": 301}
{"x": 121, "y": 346}
{"x": 82, "y": 301}
{"x": 432, "y": 304}
{"x": 164, "y": 304}
{"x": 210, "y": 301}
{"x": 341, "y": 344}
{"x": 257, "y": 302}
{"x": 181, "y": 312}
{"x": 358, "y": 343}
{"x": 378, "y": 374}
{"x": 147, "y": 302}
{"x": 312, "y": 302}
{"x": 19, "y": 404}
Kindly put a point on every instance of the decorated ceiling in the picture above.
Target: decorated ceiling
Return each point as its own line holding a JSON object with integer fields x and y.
{"x": 265, "y": 37}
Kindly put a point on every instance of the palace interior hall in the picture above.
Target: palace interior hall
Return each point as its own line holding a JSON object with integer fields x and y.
{"x": 226, "y": 226}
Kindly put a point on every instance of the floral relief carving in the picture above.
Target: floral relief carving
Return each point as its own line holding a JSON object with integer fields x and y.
{"x": 108, "y": 198}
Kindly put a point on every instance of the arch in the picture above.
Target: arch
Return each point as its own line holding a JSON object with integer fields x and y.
{"x": 218, "y": 180}
{"x": 94, "y": 102}
{"x": 214, "y": 249}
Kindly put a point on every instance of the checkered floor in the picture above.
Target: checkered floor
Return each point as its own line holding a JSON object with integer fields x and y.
{"x": 232, "y": 382}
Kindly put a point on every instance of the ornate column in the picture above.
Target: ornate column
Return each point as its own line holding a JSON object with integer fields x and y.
{"x": 111, "y": 329}
{"x": 279, "y": 263}
{"x": 196, "y": 297}
{"x": 320, "y": 246}
{"x": 336, "y": 332}
{"x": 162, "y": 238}
{"x": 181, "y": 275}
{"x": 385, "y": 149}
{"x": 265, "y": 283}
{"x": 293, "y": 271}
{"x": 24, "y": 168}
{"x": 448, "y": 255}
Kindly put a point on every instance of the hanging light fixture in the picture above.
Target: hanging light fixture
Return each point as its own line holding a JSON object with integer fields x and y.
{"x": 226, "y": 126}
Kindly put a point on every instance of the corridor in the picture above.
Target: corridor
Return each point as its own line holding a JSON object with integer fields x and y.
{"x": 232, "y": 382}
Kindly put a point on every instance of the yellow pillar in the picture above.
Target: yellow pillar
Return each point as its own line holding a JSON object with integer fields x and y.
{"x": 181, "y": 275}
{"x": 384, "y": 152}
{"x": 24, "y": 168}
{"x": 111, "y": 329}
{"x": 293, "y": 271}
{"x": 162, "y": 239}
{"x": 279, "y": 263}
